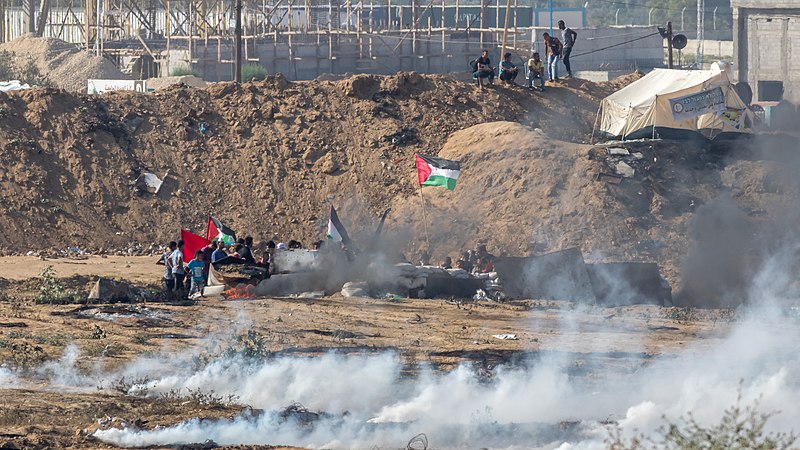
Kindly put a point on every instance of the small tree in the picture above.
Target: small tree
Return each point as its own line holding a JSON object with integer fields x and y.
{"x": 253, "y": 72}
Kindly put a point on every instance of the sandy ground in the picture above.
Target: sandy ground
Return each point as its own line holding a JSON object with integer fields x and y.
{"x": 138, "y": 269}
{"x": 423, "y": 332}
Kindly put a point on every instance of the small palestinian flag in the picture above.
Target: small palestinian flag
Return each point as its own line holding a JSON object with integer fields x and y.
{"x": 433, "y": 171}
{"x": 336, "y": 230}
{"x": 217, "y": 231}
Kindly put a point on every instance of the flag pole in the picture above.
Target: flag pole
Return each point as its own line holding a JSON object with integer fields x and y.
{"x": 424, "y": 219}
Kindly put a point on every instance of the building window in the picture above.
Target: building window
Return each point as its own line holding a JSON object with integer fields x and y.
{"x": 770, "y": 91}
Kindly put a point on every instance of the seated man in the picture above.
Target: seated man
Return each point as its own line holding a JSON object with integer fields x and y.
{"x": 508, "y": 70}
{"x": 485, "y": 262}
{"x": 535, "y": 70}
{"x": 448, "y": 263}
{"x": 483, "y": 69}
{"x": 464, "y": 262}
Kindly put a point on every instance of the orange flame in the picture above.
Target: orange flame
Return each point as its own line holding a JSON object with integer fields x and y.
{"x": 240, "y": 292}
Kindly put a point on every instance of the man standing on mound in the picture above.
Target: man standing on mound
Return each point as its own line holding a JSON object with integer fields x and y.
{"x": 568, "y": 37}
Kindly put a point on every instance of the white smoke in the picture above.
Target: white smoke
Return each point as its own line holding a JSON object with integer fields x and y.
{"x": 7, "y": 378}
{"x": 371, "y": 403}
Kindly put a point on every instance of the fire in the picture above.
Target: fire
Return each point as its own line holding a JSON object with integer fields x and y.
{"x": 240, "y": 292}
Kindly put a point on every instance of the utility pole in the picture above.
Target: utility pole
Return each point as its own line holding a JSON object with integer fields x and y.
{"x": 505, "y": 30}
{"x": 701, "y": 4}
{"x": 669, "y": 44}
{"x": 237, "y": 75}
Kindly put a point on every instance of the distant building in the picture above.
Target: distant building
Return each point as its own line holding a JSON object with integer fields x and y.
{"x": 766, "y": 45}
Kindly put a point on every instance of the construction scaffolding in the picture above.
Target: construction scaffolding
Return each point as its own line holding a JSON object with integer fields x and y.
{"x": 149, "y": 38}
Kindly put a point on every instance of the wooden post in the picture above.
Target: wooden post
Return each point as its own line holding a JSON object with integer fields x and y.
{"x": 190, "y": 29}
{"x": 338, "y": 16}
{"x": 483, "y": 8}
{"x": 87, "y": 22}
{"x": 443, "y": 33}
{"x": 237, "y": 63}
{"x": 505, "y": 30}
{"x": 167, "y": 32}
{"x": 349, "y": 11}
{"x": 414, "y": 23}
{"x": 443, "y": 39}
{"x": 515, "y": 24}
{"x": 371, "y": 12}
{"x": 2, "y": 21}
{"x": 456, "y": 17}
{"x": 669, "y": 45}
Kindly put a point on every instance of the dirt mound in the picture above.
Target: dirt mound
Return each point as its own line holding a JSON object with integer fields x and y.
{"x": 65, "y": 65}
{"x": 269, "y": 157}
{"x": 522, "y": 192}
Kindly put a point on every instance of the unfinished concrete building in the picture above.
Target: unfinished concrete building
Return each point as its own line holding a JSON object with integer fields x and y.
{"x": 766, "y": 38}
{"x": 302, "y": 40}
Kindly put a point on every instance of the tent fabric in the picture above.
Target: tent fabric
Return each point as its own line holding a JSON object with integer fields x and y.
{"x": 644, "y": 103}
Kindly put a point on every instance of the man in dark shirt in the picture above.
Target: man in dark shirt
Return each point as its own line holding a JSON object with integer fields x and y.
{"x": 483, "y": 68}
{"x": 568, "y": 37}
{"x": 246, "y": 253}
{"x": 464, "y": 262}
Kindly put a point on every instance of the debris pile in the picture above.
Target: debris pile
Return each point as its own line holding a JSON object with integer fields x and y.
{"x": 64, "y": 65}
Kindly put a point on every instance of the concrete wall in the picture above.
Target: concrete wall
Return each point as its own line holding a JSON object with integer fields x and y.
{"x": 770, "y": 4}
{"x": 767, "y": 45}
{"x": 604, "y": 49}
{"x": 712, "y": 48}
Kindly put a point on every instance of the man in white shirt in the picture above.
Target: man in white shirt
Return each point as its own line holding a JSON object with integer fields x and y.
{"x": 176, "y": 259}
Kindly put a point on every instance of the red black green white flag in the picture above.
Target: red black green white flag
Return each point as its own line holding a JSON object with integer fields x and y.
{"x": 217, "y": 231}
{"x": 336, "y": 231}
{"x": 434, "y": 171}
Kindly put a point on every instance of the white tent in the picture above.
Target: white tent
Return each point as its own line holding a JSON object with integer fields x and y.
{"x": 682, "y": 100}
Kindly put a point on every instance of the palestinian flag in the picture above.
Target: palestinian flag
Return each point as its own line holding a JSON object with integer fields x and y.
{"x": 336, "y": 230}
{"x": 217, "y": 231}
{"x": 433, "y": 171}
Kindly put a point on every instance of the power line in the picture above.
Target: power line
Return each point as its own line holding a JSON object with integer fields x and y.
{"x": 662, "y": 8}
{"x": 615, "y": 45}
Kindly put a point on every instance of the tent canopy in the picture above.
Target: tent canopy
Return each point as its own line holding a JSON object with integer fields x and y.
{"x": 644, "y": 104}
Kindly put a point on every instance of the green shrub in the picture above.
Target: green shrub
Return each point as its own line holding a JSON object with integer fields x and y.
{"x": 741, "y": 428}
{"x": 253, "y": 72}
{"x": 52, "y": 291}
{"x": 184, "y": 71}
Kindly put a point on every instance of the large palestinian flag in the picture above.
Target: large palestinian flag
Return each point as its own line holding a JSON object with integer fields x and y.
{"x": 217, "y": 231}
{"x": 433, "y": 171}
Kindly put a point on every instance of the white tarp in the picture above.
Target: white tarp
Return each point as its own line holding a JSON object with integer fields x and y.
{"x": 650, "y": 102}
{"x": 101, "y": 86}
{"x": 13, "y": 85}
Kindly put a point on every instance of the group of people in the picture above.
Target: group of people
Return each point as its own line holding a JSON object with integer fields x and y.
{"x": 473, "y": 261}
{"x": 180, "y": 274}
{"x": 557, "y": 50}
